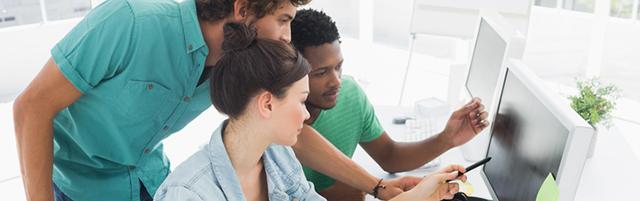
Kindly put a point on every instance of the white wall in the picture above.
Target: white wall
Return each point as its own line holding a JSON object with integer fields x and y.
{"x": 23, "y": 52}
{"x": 559, "y": 42}
{"x": 621, "y": 62}
{"x": 346, "y": 15}
{"x": 391, "y": 21}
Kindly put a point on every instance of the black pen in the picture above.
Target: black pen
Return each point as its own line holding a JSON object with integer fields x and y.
{"x": 473, "y": 166}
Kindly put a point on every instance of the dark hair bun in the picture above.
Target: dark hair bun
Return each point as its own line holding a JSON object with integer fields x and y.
{"x": 249, "y": 65}
{"x": 237, "y": 36}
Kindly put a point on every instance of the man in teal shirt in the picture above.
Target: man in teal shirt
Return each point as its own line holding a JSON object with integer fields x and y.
{"x": 90, "y": 125}
{"x": 341, "y": 112}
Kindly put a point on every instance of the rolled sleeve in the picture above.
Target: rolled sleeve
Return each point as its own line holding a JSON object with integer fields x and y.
{"x": 97, "y": 47}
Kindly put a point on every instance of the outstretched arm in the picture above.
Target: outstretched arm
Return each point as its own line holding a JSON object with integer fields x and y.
{"x": 315, "y": 152}
{"x": 463, "y": 125}
{"x": 33, "y": 113}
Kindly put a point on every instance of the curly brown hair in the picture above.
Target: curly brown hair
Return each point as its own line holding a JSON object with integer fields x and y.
{"x": 213, "y": 10}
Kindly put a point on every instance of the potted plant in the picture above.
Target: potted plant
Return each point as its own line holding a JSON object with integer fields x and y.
{"x": 594, "y": 104}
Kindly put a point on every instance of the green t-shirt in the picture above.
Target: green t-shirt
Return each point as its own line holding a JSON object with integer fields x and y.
{"x": 350, "y": 122}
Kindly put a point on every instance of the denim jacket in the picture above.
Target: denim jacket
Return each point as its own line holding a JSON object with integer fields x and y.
{"x": 209, "y": 175}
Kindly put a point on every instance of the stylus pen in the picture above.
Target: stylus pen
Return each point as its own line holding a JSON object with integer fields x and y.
{"x": 473, "y": 166}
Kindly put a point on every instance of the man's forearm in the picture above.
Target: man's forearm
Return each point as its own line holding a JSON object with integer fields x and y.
{"x": 405, "y": 156}
{"x": 34, "y": 137}
{"x": 315, "y": 152}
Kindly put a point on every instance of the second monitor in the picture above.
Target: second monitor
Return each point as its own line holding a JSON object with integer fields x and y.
{"x": 534, "y": 134}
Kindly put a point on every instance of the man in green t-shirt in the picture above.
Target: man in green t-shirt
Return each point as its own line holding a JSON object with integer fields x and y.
{"x": 341, "y": 112}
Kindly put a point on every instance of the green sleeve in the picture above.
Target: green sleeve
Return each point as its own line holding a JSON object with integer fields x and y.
{"x": 371, "y": 126}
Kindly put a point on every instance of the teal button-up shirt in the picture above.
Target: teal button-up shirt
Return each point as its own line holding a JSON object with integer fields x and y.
{"x": 137, "y": 64}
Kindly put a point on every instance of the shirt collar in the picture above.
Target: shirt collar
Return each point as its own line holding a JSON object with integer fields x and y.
{"x": 190, "y": 26}
{"x": 273, "y": 184}
{"x": 227, "y": 176}
{"x": 223, "y": 170}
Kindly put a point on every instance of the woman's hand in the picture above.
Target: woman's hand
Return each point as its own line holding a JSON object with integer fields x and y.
{"x": 435, "y": 187}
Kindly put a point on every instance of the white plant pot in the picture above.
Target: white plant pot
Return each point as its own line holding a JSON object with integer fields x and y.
{"x": 594, "y": 141}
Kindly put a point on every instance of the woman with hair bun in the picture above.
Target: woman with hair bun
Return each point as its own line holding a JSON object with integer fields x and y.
{"x": 262, "y": 85}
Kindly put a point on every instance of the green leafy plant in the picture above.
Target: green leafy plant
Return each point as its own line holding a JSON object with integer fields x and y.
{"x": 595, "y": 101}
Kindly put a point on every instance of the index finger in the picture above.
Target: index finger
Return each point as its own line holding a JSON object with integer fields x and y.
{"x": 452, "y": 168}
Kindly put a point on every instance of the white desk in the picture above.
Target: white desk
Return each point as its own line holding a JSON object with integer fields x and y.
{"x": 610, "y": 175}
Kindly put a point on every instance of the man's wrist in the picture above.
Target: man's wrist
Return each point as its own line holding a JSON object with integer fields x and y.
{"x": 444, "y": 140}
{"x": 390, "y": 191}
{"x": 370, "y": 184}
{"x": 378, "y": 188}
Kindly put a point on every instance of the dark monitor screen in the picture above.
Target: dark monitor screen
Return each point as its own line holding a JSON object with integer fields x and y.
{"x": 527, "y": 143}
{"x": 486, "y": 62}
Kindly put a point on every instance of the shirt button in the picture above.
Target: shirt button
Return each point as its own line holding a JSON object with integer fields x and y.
{"x": 149, "y": 87}
{"x": 131, "y": 167}
{"x": 165, "y": 128}
{"x": 147, "y": 150}
{"x": 186, "y": 99}
{"x": 189, "y": 47}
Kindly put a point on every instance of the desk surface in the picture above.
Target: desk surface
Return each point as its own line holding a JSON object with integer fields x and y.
{"x": 604, "y": 176}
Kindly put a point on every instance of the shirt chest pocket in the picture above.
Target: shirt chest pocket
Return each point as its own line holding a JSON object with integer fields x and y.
{"x": 145, "y": 99}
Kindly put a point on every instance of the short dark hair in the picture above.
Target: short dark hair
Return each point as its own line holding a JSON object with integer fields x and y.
{"x": 312, "y": 28}
{"x": 249, "y": 65}
{"x": 213, "y": 10}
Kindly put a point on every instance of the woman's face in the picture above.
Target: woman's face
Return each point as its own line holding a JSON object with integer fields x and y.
{"x": 290, "y": 112}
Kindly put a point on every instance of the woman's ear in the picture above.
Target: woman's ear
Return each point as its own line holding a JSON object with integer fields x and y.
{"x": 265, "y": 104}
{"x": 240, "y": 13}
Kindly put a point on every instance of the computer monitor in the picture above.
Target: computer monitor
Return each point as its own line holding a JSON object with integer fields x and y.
{"x": 489, "y": 55}
{"x": 495, "y": 42}
{"x": 534, "y": 134}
